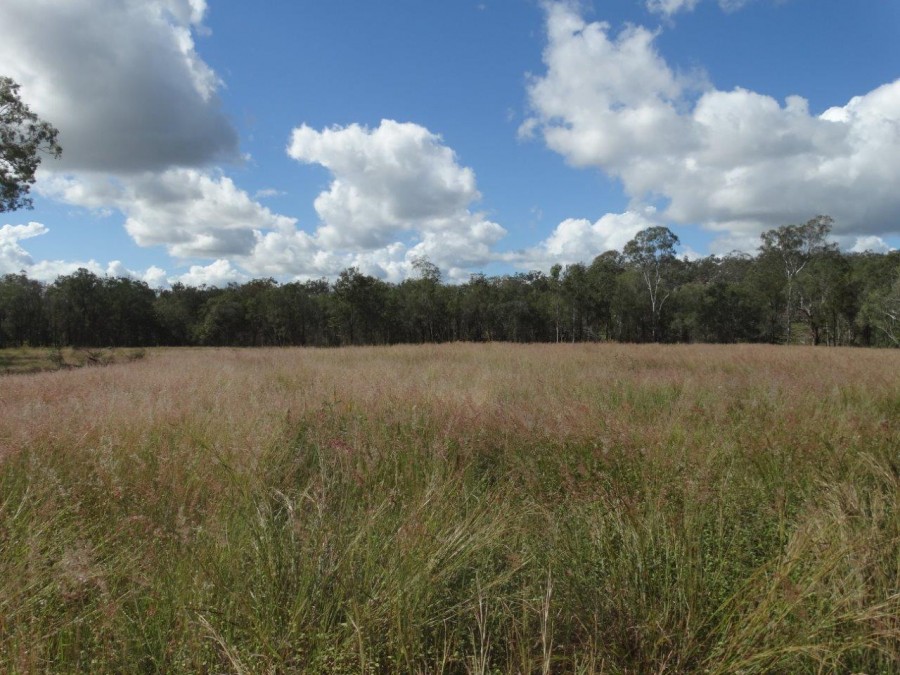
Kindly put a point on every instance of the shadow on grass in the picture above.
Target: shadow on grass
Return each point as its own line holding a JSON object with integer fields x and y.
{"x": 25, "y": 360}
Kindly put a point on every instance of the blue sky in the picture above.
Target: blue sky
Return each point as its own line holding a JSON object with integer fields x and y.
{"x": 209, "y": 142}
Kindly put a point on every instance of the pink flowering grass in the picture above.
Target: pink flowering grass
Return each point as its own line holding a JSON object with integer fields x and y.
{"x": 457, "y": 508}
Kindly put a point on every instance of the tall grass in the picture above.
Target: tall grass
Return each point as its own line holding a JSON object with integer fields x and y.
{"x": 35, "y": 360}
{"x": 454, "y": 509}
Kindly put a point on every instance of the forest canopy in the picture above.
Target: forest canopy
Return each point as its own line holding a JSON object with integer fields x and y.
{"x": 798, "y": 289}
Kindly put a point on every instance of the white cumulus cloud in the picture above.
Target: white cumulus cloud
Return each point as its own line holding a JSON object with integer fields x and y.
{"x": 580, "y": 240}
{"x": 218, "y": 273}
{"x": 671, "y": 7}
{"x": 14, "y": 258}
{"x": 120, "y": 79}
{"x": 397, "y": 192}
{"x": 140, "y": 123}
{"x": 395, "y": 178}
{"x": 193, "y": 213}
{"x": 871, "y": 244}
{"x": 734, "y": 161}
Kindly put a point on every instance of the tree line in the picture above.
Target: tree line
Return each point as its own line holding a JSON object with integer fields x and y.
{"x": 798, "y": 288}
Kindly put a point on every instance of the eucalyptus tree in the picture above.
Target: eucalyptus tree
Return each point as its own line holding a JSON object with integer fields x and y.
{"x": 577, "y": 292}
{"x": 298, "y": 313}
{"x": 359, "y": 301}
{"x": 178, "y": 312}
{"x": 129, "y": 318}
{"x": 791, "y": 247}
{"x": 77, "y": 310}
{"x": 424, "y": 303}
{"x": 24, "y": 138}
{"x": 259, "y": 300}
{"x": 730, "y": 312}
{"x": 22, "y": 315}
{"x": 601, "y": 278}
{"x": 827, "y": 299}
{"x": 556, "y": 285}
{"x": 225, "y": 321}
{"x": 652, "y": 254}
{"x": 476, "y": 309}
{"x": 882, "y": 310}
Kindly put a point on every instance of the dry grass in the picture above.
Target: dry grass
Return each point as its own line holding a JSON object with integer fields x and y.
{"x": 35, "y": 360}
{"x": 454, "y": 508}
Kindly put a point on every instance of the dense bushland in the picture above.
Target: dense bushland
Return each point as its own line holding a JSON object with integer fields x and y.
{"x": 798, "y": 289}
{"x": 455, "y": 508}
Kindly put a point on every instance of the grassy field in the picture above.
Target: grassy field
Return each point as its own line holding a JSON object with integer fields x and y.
{"x": 454, "y": 509}
{"x": 36, "y": 360}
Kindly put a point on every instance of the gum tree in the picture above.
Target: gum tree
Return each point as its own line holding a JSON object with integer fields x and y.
{"x": 24, "y": 138}
{"x": 791, "y": 247}
{"x": 652, "y": 254}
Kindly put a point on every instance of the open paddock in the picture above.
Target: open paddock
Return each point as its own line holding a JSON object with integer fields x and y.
{"x": 454, "y": 508}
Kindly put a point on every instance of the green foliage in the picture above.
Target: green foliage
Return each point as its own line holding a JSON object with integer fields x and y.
{"x": 798, "y": 289}
{"x": 882, "y": 311}
{"x": 23, "y": 138}
{"x": 652, "y": 254}
{"x": 705, "y": 512}
{"x": 21, "y": 311}
{"x": 791, "y": 248}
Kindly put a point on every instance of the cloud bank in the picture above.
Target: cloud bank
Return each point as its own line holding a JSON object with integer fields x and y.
{"x": 144, "y": 133}
{"x": 14, "y": 259}
{"x": 397, "y": 193}
{"x": 578, "y": 240}
{"x": 193, "y": 213}
{"x": 120, "y": 79}
{"x": 734, "y": 161}
{"x": 140, "y": 123}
